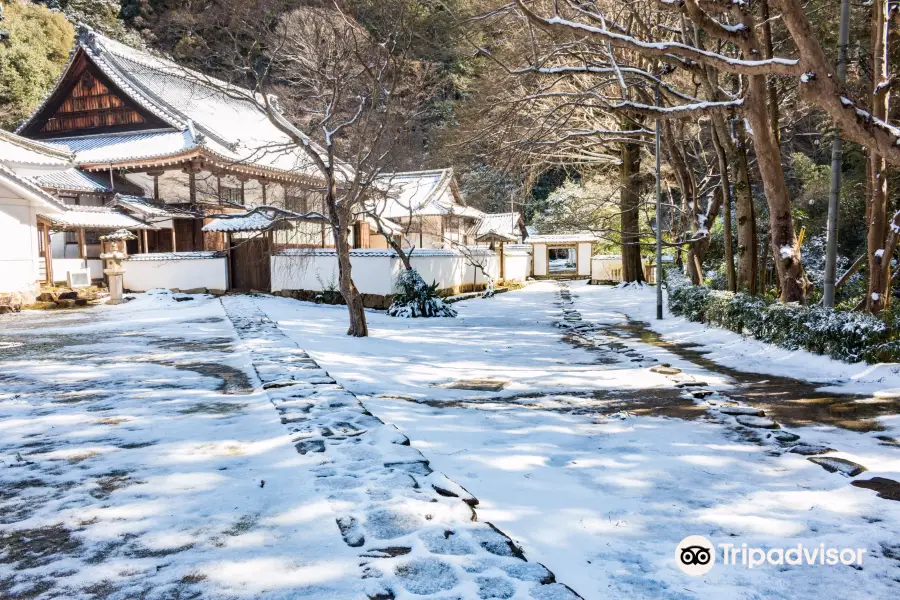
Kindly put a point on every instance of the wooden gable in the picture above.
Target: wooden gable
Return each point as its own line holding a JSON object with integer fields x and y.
{"x": 86, "y": 102}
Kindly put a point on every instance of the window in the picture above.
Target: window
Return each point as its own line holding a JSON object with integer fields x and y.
{"x": 234, "y": 195}
{"x": 295, "y": 200}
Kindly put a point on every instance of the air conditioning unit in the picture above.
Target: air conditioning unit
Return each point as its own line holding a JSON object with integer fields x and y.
{"x": 80, "y": 278}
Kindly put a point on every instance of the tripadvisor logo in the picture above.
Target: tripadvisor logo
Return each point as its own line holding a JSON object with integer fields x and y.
{"x": 695, "y": 555}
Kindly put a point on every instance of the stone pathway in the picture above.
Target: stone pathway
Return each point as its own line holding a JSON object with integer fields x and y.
{"x": 751, "y": 424}
{"x": 416, "y": 530}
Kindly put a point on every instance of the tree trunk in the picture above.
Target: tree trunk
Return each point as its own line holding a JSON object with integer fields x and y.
{"x": 746, "y": 217}
{"x": 697, "y": 251}
{"x": 358, "y": 326}
{"x": 785, "y": 251}
{"x": 632, "y": 269}
{"x": 725, "y": 187}
{"x": 879, "y": 260}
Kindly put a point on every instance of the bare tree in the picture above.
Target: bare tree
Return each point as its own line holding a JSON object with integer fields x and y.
{"x": 342, "y": 95}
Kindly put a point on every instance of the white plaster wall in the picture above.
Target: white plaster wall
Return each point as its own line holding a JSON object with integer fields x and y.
{"x": 584, "y": 259}
{"x": 602, "y": 269}
{"x": 142, "y": 275}
{"x": 540, "y": 260}
{"x": 61, "y": 266}
{"x": 517, "y": 266}
{"x": 316, "y": 272}
{"x": 376, "y": 274}
{"x": 18, "y": 242}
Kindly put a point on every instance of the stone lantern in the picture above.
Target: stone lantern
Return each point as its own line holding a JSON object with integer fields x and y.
{"x": 113, "y": 250}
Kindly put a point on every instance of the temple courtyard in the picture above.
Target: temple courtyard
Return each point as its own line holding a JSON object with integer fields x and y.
{"x": 552, "y": 442}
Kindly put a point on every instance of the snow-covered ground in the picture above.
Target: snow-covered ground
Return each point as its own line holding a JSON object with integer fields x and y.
{"x": 602, "y": 497}
{"x": 142, "y": 459}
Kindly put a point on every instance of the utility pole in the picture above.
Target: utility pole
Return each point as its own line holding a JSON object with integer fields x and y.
{"x": 836, "y": 158}
{"x": 659, "y": 296}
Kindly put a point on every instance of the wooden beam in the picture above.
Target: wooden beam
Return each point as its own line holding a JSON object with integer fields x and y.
{"x": 82, "y": 246}
{"x": 174, "y": 249}
{"x": 192, "y": 188}
{"x": 48, "y": 255}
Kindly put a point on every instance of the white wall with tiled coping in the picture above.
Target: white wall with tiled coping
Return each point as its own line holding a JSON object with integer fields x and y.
{"x": 376, "y": 271}
{"x": 183, "y": 270}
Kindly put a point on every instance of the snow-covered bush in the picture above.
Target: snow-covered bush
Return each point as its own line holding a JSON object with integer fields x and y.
{"x": 418, "y": 299}
{"x": 844, "y": 335}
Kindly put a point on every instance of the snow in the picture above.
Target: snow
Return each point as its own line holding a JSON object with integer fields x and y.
{"x": 602, "y": 500}
{"x": 876, "y": 296}
{"x": 879, "y": 253}
{"x": 786, "y": 251}
{"x": 157, "y": 448}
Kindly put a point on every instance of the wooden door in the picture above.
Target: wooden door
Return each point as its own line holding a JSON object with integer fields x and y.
{"x": 250, "y": 265}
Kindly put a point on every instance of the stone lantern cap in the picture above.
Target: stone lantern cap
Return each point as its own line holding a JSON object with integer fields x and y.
{"x": 118, "y": 236}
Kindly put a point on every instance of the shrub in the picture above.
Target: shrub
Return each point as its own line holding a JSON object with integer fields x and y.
{"x": 418, "y": 299}
{"x": 843, "y": 335}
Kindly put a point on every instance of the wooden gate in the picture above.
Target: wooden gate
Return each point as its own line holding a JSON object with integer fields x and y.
{"x": 250, "y": 265}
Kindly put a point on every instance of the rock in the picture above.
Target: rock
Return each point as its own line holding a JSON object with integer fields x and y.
{"x": 4, "y": 309}
{"x": 389, "y": 552}
{"x": 810, "y": 449}
{"x": 446, "y": 542}
{"x": 494, "y": 587}
{"x": 388, "y": 523}
{"x": 529, "y": 571}
{"x": 181, "y": 297}
{"x": 496, "y": 542}
{"x": 215, "y": 292}
{"x": 81, "y": 301}
{"x": 786, "y": 436}
{"x": 66, "y": 302}
{"x": 756, "y": 422}
{"x": 701, "y": 394}
{"x": 888, "y": 393}
{"x": 666, "y": 370}
{"x": 843, "y": 466}
{"x": 886, "y": 488}
{"x": 310, "y": 446}
{"x": 48, "y": 296}
{"x": 198, "y": 290}
{"x": 742, "y": 410}
{"x": 351, "y": 531}
{"x": 67, "y": 296}
{"x": 426, "y": 576}
{"x": 175, "y": 290}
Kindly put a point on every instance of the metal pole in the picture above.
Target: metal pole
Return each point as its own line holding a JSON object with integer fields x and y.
{"x": 834, "y": 196}
{"x": 659, "y": 296}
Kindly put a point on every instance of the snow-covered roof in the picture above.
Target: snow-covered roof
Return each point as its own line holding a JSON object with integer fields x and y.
{"x": 147, "y": 209}
{"x": 262, "y": 218}
{"x": 32, "y": 191}
{"x": 166, "y": 256}
{"x": 94, "y": 217}
{"x": 421, "y": 193}
{"x": 378, "y": 252}
{"x": 205, "y": 114}
{"x": 562, "y": 238}
{"x": 17, "y": 151}
{"x": 501, "y": 224}
{"x": 71, "y": 180}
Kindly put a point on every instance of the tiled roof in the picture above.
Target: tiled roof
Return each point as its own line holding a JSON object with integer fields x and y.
{"x": 204, "y": 113}
{"x": 18, "y": 151}
{"x": 562, "y": 238}
{"x": 16, "y": 181}
{"x": 71, "y": 180}
{"x": 167, "y": 256}
{"x": 422, "y": 193}
{"x": 501, "y": 223}
{"x": 94, "y": 217}
{"x": 261, "y": 218}
{"x": 147, "y": 209}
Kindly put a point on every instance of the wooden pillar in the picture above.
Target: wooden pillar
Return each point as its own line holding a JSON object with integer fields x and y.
{"x": 243, "y": 197}
{"x": 144, "y": 237}
{"x": 263, "y": 184}
{"x": 192, "y": 187}
{"x": 502, "y": 261}
{"x": 174, "y": 249}
{"x": 48, "y": 255}
{"x": 82, "y": 246}
{"x": 219, "y": 187}
{"x": 140, "y": 247}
